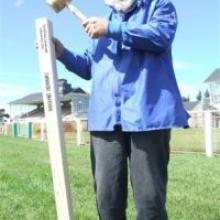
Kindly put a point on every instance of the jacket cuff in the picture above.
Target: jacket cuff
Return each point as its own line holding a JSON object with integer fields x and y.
{"x": 114, "y": 29}
{"x": 64, "y": 55}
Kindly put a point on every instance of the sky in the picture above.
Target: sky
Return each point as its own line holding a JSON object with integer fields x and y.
{"x": 196, "y": 48}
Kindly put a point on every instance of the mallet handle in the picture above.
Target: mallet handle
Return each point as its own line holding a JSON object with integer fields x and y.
{"x": 76, "y": 11}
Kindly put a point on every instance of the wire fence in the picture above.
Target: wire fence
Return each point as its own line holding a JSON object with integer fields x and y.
{"x": 203, "y": 136}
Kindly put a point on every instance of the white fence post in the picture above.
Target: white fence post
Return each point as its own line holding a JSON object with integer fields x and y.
{"x": 209, "y": 134}
{"x": 2, "y": 128}
{"x": 42, "y": 133}
{"x": 78, "y": 132}
{"x": 6, "y": 129}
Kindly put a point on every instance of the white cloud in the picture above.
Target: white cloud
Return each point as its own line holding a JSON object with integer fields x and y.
{"x": 188, "y": 90}
{"x": 18, "y": 3}
{"x": 11, "y": 90}
{"x": 181, "y": 65}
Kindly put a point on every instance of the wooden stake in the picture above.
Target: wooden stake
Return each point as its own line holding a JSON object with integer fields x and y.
{"x": 53, "y": 119}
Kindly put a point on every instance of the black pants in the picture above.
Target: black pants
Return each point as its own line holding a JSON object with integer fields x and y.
{"x": 148, "y": 154}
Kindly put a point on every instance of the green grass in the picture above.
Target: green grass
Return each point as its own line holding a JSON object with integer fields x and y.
{"x": 192, "y": 140}
{"x": 186, "y": 140}
{"x": 26, "y": 191}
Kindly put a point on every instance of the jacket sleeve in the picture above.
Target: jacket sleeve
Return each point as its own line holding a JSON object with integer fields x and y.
{"x": 154, "y": 36}
{"x": 79, "y": 64}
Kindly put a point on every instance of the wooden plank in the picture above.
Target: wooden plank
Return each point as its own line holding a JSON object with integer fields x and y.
{"x": 53, "y": 119}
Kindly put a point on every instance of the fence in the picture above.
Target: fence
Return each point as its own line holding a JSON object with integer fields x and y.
{"x": 203, "y": 136}
{"x": 74, "y": 131}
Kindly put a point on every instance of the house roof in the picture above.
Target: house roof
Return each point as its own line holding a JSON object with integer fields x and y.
{"x": 31, "y": 99}
{"x": 190, "y": 106}
{"x": 214, "y": 76}
{"x": 65, "y": 91}
{"x": 37, "y": 98}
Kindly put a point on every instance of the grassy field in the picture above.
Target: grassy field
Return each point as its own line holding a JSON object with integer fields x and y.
{"x": 187, "y": 140}
{"x": 193, "y": 140}
{"x": 26, "y": 186}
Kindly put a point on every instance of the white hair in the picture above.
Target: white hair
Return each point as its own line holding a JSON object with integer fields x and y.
{"x": 123, "y": 6}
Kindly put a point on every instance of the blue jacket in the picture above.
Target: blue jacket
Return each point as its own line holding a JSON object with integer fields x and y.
{"x": 133, "y": 81}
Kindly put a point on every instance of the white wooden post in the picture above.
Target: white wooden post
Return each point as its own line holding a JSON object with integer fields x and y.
{"x": 6, "y": 129}
{"x": 208, "y": 134}
{"x": 42, "y": 128}
{"x": 2, "y": 129}
{"x": 53, "y": 119}
{"x": 78, "y": 132}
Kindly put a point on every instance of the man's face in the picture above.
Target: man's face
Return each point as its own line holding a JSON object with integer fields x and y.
{"x": 122, "y": 6}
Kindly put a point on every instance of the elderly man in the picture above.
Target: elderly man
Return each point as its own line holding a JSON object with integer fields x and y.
{"x": 134, "y": 104}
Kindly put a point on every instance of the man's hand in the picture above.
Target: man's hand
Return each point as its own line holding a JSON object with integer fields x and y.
{"x": 96, "y": 27}
{"x": 58, "y": 47}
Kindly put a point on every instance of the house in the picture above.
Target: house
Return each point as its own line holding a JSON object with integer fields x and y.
{"x": 196, "y": 106}
{"x": 213, "y": 83}
{"x": 74, "y": 104}
{"x": 196, "y": 110}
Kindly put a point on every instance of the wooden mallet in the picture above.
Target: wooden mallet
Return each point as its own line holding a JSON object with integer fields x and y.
{"x": 58, "y": 5}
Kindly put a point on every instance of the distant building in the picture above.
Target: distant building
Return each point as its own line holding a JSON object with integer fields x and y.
{"x": 213, "y": 82}
{"x": 212, "y": 103}
{"x": 74, "y": 104}
{"x": 203, "y": 105}
{"x": 196, "y": 110}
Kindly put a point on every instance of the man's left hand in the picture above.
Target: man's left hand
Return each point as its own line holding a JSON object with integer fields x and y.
{"x": 96, "y": 27}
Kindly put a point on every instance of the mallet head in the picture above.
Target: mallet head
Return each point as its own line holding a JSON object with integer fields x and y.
{"x": 57, "y": 5}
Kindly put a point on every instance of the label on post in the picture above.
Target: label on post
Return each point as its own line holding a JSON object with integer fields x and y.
{"x": 53, "y": 117}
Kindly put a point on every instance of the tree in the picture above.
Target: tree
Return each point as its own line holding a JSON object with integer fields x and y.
{"x": 185, "y": 98}
{"x": 206, "y": 94}
{"x": 2, "y": 111}
{"x": 3, "y": 116}
{"x": 199, "y": 96}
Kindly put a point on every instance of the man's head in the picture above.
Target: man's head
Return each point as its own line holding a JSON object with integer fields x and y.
{"x": 122, "y": 6}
